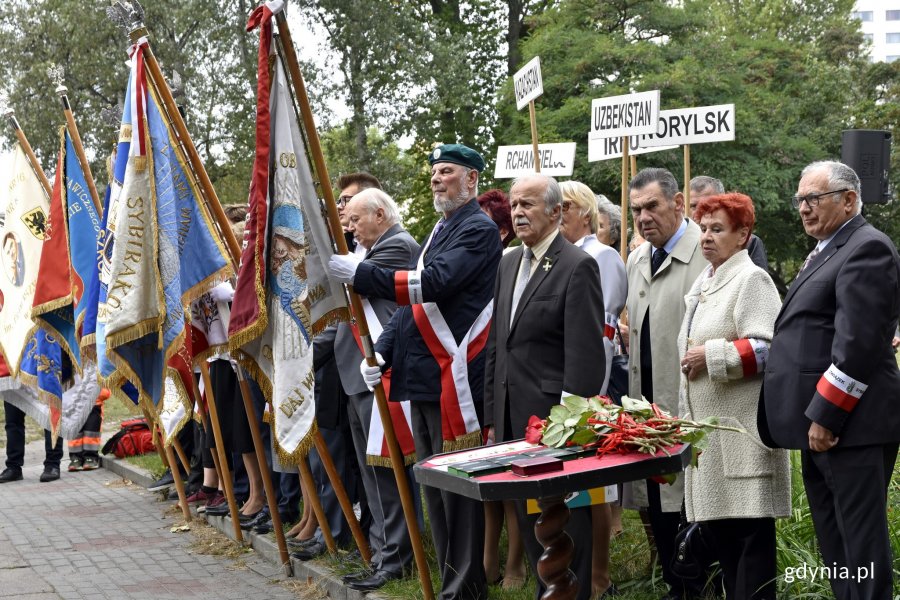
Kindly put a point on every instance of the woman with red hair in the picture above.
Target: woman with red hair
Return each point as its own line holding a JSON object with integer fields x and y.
{"x": 739, "y": 486}
{"x": 495, "y": 204}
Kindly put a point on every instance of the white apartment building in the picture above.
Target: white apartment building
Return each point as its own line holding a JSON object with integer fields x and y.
{"x": 880, "y": 23}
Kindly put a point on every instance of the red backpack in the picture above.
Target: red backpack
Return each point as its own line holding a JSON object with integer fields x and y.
{"x": 132, "y": 439}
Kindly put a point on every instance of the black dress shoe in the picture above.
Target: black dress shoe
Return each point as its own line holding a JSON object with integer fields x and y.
{"x": 310, "y": 551}
{"x": 264, "y": 527}
{"x": 364, "y": 574}
{"x": 258, "y": 519}
{"x": 375, "y": 582}
{"x": 219, "y": 510}
{"x": 295, "y": 543}
{"x": 10, "y": 474}
{"x": 245, "y": 518}
{"x": 50, "y": 474}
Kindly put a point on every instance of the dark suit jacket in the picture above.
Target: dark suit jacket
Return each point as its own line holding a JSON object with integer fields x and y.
{"x": 458, "y": 275}
{"x": 393, "y": 250}
{"x": 555, "y": 342}
{"x": 841, "y": 310}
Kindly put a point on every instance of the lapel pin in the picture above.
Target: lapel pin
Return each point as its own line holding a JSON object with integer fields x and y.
{"x": 547, "y": 264}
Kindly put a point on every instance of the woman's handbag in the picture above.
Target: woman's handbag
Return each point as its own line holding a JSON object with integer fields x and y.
{"x": 618, "y": 375}
{"x": 694, "y": 551}
{"x": 618, "y": 378}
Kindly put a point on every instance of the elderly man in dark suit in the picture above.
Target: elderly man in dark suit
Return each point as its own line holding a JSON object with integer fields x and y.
{"x": 438, "y": 331}
{"x": 373, "y": 219}
{"x": 831, "y": 380}
{"x": 546, "y": 338}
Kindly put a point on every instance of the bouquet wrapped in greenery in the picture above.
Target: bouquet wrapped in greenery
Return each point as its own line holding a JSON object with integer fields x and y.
{"x": 636, "y": 426}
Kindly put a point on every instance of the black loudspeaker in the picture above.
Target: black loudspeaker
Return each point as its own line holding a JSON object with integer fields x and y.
{"x": 868, "y": 152}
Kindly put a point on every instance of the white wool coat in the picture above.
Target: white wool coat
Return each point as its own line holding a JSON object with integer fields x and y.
{"x": 737, "y": 476}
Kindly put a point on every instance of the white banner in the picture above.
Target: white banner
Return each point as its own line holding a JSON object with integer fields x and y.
{"x": 698, "y": 125}
{"x": 528, "y": 83}
{"x": 609, "y": 148}
{"x": 24, "y": 209}
{"x": 630, "y": 114}
{"x": 556, "y": 160}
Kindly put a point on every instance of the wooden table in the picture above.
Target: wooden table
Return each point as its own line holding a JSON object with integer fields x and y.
{"x": 551, "y": 490}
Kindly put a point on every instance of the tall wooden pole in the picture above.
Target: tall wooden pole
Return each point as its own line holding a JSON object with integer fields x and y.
{"x": 179, "y": 484}
{"x": 534, "y": 137}
{"x": 687, "y": 179}
{"x": 72, "y": 128}
{"x": 334, "y": 224}
{"x": 26, "y": 147}
{"x": 633, "y": 160}
{"x": 318, "y": 511}
{"x": 271, "y": 495}
{"x": 623, "y": 243}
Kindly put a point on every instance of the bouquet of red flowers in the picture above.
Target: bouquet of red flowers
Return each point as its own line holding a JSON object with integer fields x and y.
{"x": 636, "y": 426}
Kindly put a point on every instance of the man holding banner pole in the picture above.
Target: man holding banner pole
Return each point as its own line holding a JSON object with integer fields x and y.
{"x": 440, "y": 329}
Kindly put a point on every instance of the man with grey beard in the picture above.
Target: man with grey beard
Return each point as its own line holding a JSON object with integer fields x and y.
{"x": 445, "y": 300}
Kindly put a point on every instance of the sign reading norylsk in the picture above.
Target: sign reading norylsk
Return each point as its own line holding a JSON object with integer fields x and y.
{"x": 697, "y": 125}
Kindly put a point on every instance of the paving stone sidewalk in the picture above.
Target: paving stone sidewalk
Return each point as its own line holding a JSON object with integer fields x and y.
{"x": 89, "y": 536}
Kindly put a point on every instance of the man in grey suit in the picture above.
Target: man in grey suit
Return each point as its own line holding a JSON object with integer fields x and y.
{"x": 831, "y": 382}
{"x": 373, "y": 219}
{"x": 546, "y": 338}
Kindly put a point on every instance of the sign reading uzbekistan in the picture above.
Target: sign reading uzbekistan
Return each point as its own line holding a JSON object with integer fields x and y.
{"x": 697, "y": 125}
{"x": 631, "y": 114}
{"x": 528, "y": 83}
{"x": 609, "y": 148}
{"x": 556, "y": 160}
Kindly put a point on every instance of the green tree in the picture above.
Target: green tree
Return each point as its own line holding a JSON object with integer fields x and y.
{"x": 790, "y": 69}
{"x": 197, "y": 40}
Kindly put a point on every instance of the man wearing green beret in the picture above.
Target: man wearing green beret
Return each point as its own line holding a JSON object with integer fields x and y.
{"x": 446, "y": 300}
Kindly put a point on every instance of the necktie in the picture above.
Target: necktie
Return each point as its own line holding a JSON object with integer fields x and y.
{"x": 809, "y": 259}
{"x": 659, "y": 255}
{"x": 522, "y": 281}
{"x": 438, "y": 227}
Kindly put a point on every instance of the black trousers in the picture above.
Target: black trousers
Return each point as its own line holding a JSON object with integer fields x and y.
{"x": 457, "y": 522}
{"x": 746, "y": 551}
{"x": 15, "y": 441}
{"x": 847, "y": 492}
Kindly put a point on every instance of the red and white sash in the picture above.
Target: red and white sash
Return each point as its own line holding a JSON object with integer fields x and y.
{"x": 459, "y": 421}
{"x": 377, "y": 453}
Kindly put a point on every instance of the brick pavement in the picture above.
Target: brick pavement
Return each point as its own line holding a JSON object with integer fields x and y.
{"x": 87, "y": 536}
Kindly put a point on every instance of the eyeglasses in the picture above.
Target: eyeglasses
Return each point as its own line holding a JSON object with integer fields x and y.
{"x": 343, "y": 200}
{"x": 812, "y": 200}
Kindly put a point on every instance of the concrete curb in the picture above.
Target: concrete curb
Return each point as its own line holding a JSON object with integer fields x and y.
{"x": 312, "y": 572}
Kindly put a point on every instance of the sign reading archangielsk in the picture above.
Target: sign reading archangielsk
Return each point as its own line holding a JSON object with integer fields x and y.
{"x": 528, "y": 83}
{"x": 556, "y": 160}
{"x": 696, "y": 125}
{"x": 631, "y": 114}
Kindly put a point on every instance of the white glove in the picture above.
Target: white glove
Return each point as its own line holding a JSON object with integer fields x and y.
{"x": 222, "y": 292}
{"x": 371, "y": 375}
{"x": 343, "y": 267}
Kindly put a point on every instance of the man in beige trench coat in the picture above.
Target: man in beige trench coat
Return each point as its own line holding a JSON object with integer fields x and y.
{"x": 660, "y": 273}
